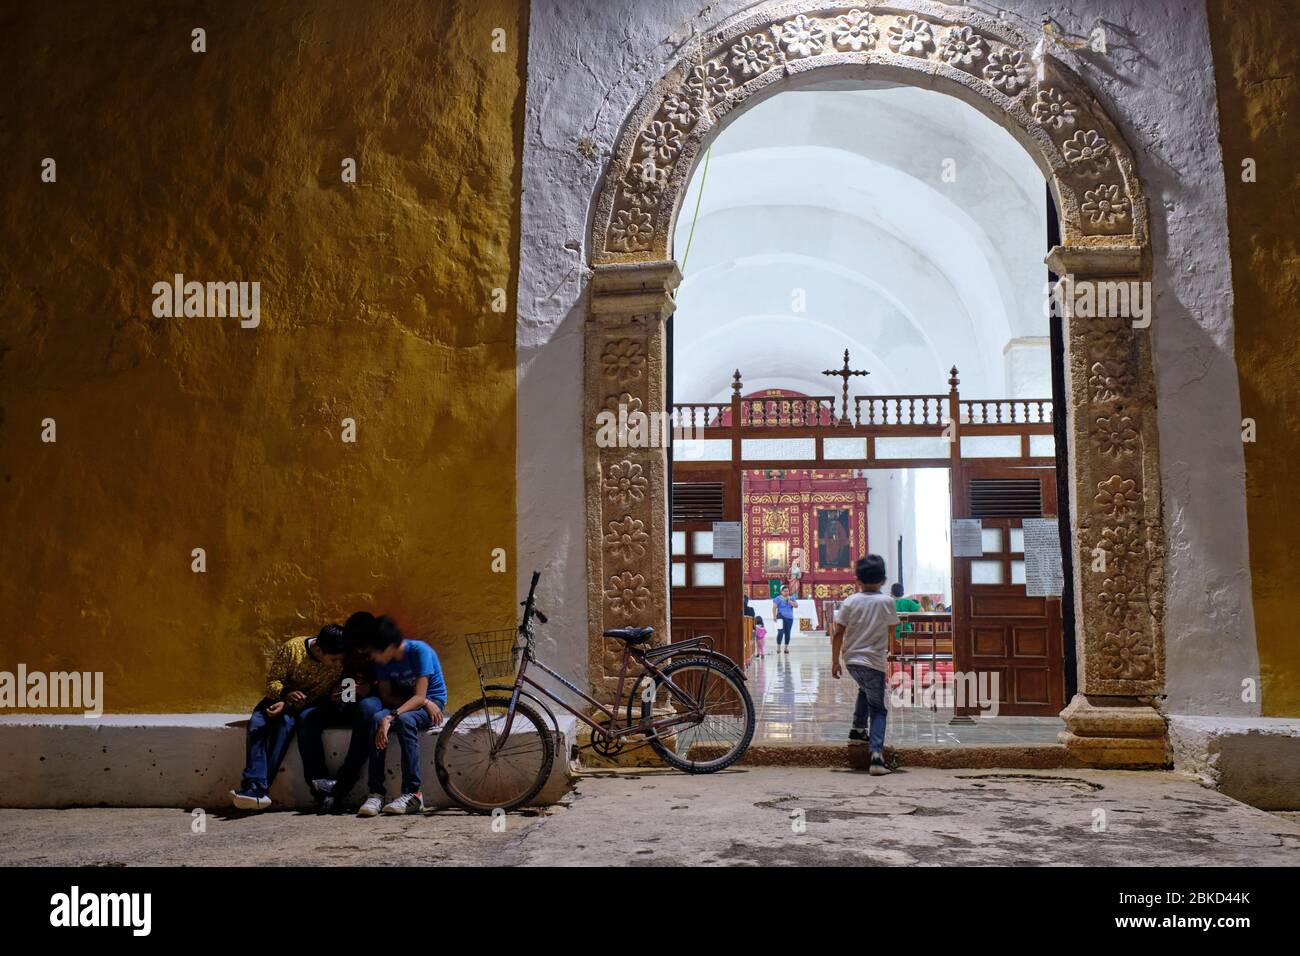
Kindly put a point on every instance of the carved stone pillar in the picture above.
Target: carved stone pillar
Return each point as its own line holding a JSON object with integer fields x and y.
{"x": 626, "y": 480}
{"x": 1115, "y": 510}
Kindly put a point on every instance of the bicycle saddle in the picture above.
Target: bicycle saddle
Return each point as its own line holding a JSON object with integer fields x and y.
{"x": 633, "y": 635}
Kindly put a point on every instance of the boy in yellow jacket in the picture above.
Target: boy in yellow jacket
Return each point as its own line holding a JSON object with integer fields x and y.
{"x": 302, "y": 673}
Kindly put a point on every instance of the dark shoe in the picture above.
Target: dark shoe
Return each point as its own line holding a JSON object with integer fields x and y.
{"x": 859, "y": 735}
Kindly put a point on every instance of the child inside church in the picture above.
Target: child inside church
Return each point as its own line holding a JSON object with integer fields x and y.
{"x": 301, "y": 675}
{"x": 864, "y": 626}
{"x": 760, "y": 637}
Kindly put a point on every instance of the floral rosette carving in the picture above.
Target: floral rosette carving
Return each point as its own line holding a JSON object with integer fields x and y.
{"x": 623, "y": 359}
{"x": 1087, "y": 151}
{"x": 627, "y": 538}
{"x": 626, "y": 483}
{"x": 802, "y": 37}
{"x": 632, "y": 230}
{"x": 644, "y": 183}
{"x": 962, "y": 46}
{"x": 1109, "y": 380}
{"x": 711, "y": 83}
{"x": 911, "y": 35}
{"x": 1116, "y": 435}
{"x": 661, "y": 141}
{"x": 1105, "y": 205}
{"x": 627, "y": 594}
{"x": 1125, "y": 548}
{"x": 1053, "y": 109}
{"x": 855, "y": 31}
{"x": 1121, "y": 596}
{"x": 753, "y": 55}
{"x": 1008, "y": 70}
{"x": 1127, "y": 655}
{"x": 1118, "y": 498}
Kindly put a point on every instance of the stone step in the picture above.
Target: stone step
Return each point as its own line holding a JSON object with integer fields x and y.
{"x": 184, "y": 761}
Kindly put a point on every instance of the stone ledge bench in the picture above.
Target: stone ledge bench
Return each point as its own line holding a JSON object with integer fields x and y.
{"x": 184, "y": 761}
{"x": 1252, "y": 759}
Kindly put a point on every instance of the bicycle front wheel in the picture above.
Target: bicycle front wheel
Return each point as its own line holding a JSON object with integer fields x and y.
{"x": 483, "y": 772}
{"x": 717, "y": 711}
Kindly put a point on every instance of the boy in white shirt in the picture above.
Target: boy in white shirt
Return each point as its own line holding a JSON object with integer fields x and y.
{"x": 864, "y": 626}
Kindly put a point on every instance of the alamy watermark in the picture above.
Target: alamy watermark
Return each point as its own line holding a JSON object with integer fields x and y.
{"x": 208, "y": 300}
{"x": 1096, "y": 299}
{"x": 955, "y": 689}
{"x": 57, "y": 690}
{"x": 625, "y": 425}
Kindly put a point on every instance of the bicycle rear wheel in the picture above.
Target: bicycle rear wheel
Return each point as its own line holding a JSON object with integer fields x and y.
{"x": 481, "y": 780}
{"x": 723, "y": 726}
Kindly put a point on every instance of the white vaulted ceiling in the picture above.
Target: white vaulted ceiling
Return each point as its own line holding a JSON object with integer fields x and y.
{"x": 838, "y": 195}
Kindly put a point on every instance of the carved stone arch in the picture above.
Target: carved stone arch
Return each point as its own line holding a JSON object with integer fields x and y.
{"x": 955, "y": 50}
{"x": 1116, "y": 516}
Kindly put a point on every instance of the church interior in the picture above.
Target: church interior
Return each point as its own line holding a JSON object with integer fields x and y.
{"x": 904, "y": 227}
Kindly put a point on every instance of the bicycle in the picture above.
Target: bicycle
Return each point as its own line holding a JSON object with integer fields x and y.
{"x": 497, "y": 753}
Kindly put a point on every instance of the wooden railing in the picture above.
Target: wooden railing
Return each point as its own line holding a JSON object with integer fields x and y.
{"x": 917, "y": 414}
{"x": 900, "y": 409}
{"x": 1005, "y": 411}
{"x": 699, "y": 415}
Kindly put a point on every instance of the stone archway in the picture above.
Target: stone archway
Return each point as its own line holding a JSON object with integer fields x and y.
{"x": 1116, "y": 516}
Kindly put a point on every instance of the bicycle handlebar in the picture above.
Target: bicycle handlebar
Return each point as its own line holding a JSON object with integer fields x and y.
{"x": 530, "y": 607}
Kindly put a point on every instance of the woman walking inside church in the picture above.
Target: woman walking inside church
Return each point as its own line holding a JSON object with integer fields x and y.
{"x": 783, "y": 610}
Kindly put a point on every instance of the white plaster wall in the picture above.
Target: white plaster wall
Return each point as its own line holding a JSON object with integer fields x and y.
{"x": 590, "y": 61}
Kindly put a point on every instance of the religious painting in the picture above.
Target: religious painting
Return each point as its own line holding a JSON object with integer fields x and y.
{"x": 834, "y": 547}
{"x": 776, "y": 555}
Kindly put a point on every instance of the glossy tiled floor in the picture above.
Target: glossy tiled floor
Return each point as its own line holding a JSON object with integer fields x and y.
{"x": 799, "y": 702}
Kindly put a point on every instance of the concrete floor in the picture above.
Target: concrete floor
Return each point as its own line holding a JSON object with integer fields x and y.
{"x": 797, "y": 701}
{"x": 745, "y": 817}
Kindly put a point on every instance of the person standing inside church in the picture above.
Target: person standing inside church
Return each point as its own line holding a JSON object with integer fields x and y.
{"x": 863, "y": 627}
{"x": 904, "y": 605}
{"x": 760, "y": 638}
{"x": 783, "y": 610}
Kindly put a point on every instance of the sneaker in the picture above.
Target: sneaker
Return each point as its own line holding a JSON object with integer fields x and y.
{"x": 323, "y": 785}
{"x": 406, "y": 803}
{"x": 374, "y": 803}
{"x": 248, "y": 800}
{"x": 326, "y": 806}
{"x": 878, "y": 768}
{"x": 858, "y": 735}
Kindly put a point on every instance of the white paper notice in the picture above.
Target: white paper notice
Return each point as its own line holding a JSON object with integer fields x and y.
{"x": 726, "y": 539}
{"x": 1043, "y": 575}
{"x": 967, "y": 540}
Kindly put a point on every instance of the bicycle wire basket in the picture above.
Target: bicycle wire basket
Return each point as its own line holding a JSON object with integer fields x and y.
{"x": 495, "y": 654}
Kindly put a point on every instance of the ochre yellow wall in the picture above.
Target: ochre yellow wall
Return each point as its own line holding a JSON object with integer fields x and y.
{"x": 182, "y": 433}
{"x": 1257, "y": 69}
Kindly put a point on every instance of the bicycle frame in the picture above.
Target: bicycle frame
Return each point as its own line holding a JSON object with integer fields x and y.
{"x": 647, "y": 658}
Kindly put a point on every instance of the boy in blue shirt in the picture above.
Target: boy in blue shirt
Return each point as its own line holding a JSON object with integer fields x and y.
{"x": 411, "y": 697}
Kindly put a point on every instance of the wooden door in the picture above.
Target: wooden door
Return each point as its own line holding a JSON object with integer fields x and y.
{"x": 706, "y": 591}
{"x": 997, "y": 627}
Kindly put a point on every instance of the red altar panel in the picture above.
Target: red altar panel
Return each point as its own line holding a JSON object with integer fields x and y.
{"x": 809, "y": 519}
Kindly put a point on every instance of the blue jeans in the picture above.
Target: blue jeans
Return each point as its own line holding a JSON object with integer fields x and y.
{"x": 312, "y": 724}
{"x": 266, "y": 743}
{"x": 783, "y": 636}
{"x": 869, "y": 712}
{"x": 407, "y": 730}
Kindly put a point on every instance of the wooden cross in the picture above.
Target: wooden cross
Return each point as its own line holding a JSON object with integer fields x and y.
{"x": 845, "y": 373}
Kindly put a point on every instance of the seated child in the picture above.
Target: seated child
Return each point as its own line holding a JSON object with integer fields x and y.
{"x": 301, "y": 674}
{"x": 411, "y": 695}
{"x": 338, "y": 710}
{"x": 863, "y": 627}
{"x": 760, "y": 637}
